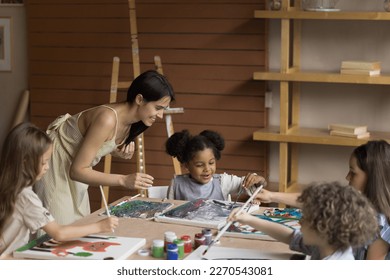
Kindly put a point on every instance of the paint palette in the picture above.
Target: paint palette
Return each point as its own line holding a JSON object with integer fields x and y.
{"x": 227, "y": 253}
{"x": 138, "y": 209}
{"x": 93, "y": 247}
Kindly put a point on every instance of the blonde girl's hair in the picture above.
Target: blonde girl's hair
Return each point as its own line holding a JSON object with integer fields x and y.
{"x": 20, "y": 164}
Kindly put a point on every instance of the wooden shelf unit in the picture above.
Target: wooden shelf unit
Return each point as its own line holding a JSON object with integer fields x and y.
{"x": 289, "y": 134}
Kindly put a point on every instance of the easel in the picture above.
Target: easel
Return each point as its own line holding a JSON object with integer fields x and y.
{"x": 168, "y": 118}
{"x": 116, "y": 84}
{"x": 22, "y": 110}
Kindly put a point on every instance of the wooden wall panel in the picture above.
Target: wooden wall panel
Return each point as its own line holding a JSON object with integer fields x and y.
{"x": 209, "y": 50}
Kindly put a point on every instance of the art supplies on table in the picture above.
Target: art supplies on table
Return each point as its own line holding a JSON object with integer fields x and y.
{"x": 92, "y": 247}
{"x": 138, "y": 209}
{"x": 286, "y": 216}
{"x": 201, "y": 213}
{"x": 227, "y": 253}
{"x": 289, "y": 213}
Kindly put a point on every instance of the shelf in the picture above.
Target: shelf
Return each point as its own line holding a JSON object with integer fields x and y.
{"x": 299, "y": 14}
{"x": 289, "y": 74}
{"x": 313, "y": 136}
{"x": 322, "y": 77}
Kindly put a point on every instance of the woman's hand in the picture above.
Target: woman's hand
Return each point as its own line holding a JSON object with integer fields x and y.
{"x": 137, "y": 181}
{"x": 126, "y": 152}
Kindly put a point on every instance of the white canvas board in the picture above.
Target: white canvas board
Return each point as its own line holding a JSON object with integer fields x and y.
{"x": 200, "y": 213}
{"x": 227, "y": 253}
{"x": 93, "y": 247}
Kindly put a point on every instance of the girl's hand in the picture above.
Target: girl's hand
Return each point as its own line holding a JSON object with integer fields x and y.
{"x": 109, "y": 224}
{"x": 138, "y": 181}
{"x": 243, "y": 217}
{"x": 125, "y": 152}
{"x": 264, "y": 196}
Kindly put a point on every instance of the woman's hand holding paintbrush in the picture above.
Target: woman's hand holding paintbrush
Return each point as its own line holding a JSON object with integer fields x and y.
{"x": 227, "y": 225}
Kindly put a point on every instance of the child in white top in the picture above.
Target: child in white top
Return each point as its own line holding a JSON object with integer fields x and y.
{"x": 199, "y": 155}
{"x": 335, "y": 219}
{"x": 24, "y": 160}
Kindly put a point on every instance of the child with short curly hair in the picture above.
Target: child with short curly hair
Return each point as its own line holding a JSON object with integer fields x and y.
{"x": 199, "y": 154}
{"x": 335, "y": 219}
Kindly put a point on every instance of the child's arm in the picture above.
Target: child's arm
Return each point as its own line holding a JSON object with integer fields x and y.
{"x": 275, "y": 230}
{"x": 377, "y": 250}
{"x": 266, "y": 196}
{"x": 67, "y": 232}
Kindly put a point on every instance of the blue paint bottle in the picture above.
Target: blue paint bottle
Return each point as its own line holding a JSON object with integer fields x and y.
{"x": 172, "y": 252}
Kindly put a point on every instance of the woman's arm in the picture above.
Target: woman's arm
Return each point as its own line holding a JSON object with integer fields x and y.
{"x": 101, "y": 129}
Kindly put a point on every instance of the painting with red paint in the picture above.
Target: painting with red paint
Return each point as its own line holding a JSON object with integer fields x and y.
{"x": 92, "y": 247}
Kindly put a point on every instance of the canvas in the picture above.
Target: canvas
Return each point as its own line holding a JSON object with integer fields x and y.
{"x": 93, "y": 247}
{"x": 227, "y": 253}
{"x": 138, "y": 209}
{"x": 246, "y": 231}
{"x": 201, "y": 213}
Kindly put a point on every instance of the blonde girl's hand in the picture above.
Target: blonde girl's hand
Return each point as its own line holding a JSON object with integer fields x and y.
{"x": 109, "y": 224}
{"x": 138, "y": 181}
{"x": 126, "y": 151}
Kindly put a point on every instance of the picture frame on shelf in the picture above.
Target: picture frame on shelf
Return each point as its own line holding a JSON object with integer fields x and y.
{"x": 5, "y": 43}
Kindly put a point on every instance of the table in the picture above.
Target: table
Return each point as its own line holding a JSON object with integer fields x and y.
{"x": 150, "y": 230}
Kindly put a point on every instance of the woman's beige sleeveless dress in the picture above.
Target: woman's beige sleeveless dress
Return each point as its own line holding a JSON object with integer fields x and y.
{"x": 67, "y": 200}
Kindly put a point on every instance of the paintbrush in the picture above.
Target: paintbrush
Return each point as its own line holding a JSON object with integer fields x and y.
{"x": 105, "y": 203}
{"x": 223, "y": 230}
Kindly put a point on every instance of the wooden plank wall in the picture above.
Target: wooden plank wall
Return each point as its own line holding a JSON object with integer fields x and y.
{"x": 209, "y": 50}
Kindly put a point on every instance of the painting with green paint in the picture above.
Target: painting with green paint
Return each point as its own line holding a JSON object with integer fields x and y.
{"x": 92, "y": 247}
{"x": 288, "y": 217}
{"x": 138, "y": 209}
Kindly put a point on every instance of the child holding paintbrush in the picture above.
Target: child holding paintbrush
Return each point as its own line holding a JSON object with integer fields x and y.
{"x": 24, "y": 160}
{"x": 335, "y": 219}
{"x": 199, "y": 154}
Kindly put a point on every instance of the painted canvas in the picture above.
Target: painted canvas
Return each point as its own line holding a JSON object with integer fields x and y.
{"x": 246, "y": 231}
{"x": 201, "y": 213}
{"x": 289, "y": 213}
{"x": 227, "y": 253}
{"x": 138, "y": 209}
{"x": 93, "y": 247}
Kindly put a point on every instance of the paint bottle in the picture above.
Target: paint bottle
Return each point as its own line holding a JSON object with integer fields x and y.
{"x": 180, "y": 247}
{"x": 158, "y": 248}
{"x": 172, "y": 252}
{"x": 207, "y": 235}
{"x": 199, "y": 240}
{"x": 169, "y": 236}
{"x": 187, "y": 243}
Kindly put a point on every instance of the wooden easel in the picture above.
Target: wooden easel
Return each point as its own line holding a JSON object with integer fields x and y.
{"x": 168, "y": 118}
{"x": 116, "y": 84}
{"x": 22, "y": 110}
